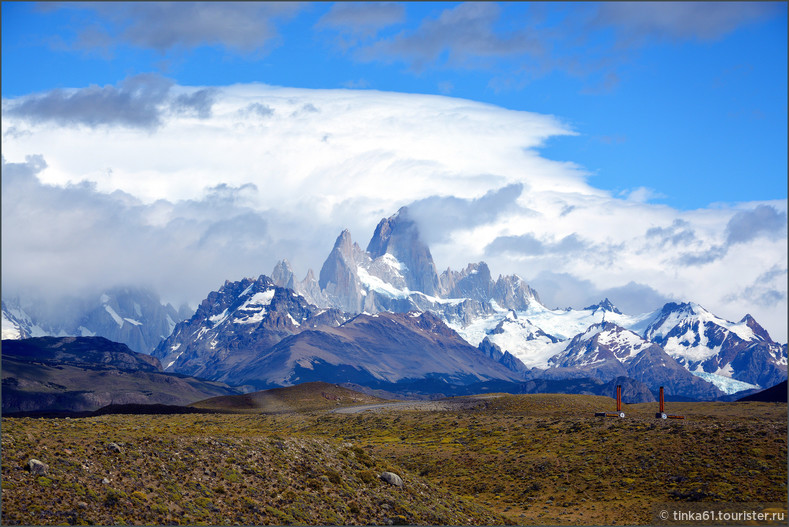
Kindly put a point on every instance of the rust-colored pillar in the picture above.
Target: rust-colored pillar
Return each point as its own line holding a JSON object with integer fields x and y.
{"x": 661, "y": 399}
{"x": 618, "y": 397}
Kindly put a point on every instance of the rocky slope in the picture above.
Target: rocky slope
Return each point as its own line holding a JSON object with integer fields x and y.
{"x": 236, "y": 324}
{"x": 372, "y": 349}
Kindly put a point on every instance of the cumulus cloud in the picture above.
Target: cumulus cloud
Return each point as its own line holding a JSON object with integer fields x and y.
{"x": 197, "y": 103}
{"x": 136, "y": 102}
{"x": 678, "y": 234}
{"x": 257, "y": 109}
{"x": 72, "y": 238}
{"x": 191, "y": 202}
{"x": 520, "y": 42}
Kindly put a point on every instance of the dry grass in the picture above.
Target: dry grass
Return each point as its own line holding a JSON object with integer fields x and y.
{"x": 309, "y": 396}
{"x": 528, "y": 459}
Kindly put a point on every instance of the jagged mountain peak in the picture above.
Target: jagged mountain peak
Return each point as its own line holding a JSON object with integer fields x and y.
{"x": 239, "y": 320}
{"x": 718, "y": 349}
{"x": 344, "y": 241}
{"x": 391, "y": 230}
{"x": 594, "y": 330}
{"x": 604, "y": 305}
{"x": 282, "y": 275}
{"x": 398, "y": 236}
{"x": 757, "y": 329}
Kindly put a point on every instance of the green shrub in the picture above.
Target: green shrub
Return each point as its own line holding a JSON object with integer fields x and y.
{"x": 114, "y": 497}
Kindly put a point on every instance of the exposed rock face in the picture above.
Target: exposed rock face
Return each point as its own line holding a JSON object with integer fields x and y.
{"x": 475, "y": 282}
{"x": 398, "y": 235}
{"x": 397, "y": 273}
{"x": 511, "y": 292}
{"x": 339, "y": 278}
{"x": 282, "y": 275}
{"x": 472, "y": 282}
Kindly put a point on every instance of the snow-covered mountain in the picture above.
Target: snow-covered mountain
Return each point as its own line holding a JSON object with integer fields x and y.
{"x": 257, "y": 333}
{"x": 606, "y": 351}
{"x": 133, "y": 316}
{"x": 716, "y": 349}
{"x": 506, "y": 319}
{"x": 17, "y": 324}
{"x": 396, "y": 273}
{"x": 235, "y": 324}
{"x": 732, "y": 356}
{"x": 535, "y": 334}
{"x": 503, "y": 320}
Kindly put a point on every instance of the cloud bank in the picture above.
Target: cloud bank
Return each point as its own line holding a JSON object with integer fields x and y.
{"x": 221, "y": 183}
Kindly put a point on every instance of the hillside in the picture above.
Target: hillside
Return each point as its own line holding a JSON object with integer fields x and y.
{"x": 777, "y": 393}
{"x": 305, "y": 397}
{"x": 77, "y": 374}
{"x": 489, "y": 459}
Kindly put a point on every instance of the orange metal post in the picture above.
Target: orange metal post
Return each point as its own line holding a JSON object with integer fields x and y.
{"x": 619, "y": 398}
{"x": 661, "y": 399}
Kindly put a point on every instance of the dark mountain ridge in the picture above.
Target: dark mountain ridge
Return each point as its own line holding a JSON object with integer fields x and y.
{"x": 79, "y": 374}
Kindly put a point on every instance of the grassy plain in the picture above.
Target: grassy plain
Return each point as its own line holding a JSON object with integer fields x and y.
{"x": 522, "y": 459}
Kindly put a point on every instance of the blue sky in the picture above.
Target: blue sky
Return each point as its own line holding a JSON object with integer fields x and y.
{"x": 629, "y": 150}
{"x": 686, "y": 100}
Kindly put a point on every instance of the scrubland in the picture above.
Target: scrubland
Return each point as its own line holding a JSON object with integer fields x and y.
{"x": 509, "y": 459}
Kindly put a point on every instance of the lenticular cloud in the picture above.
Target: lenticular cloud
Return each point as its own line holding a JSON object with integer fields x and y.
{"x": 251, "y": 174}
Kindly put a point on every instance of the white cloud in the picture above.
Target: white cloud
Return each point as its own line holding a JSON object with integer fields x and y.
{"x": 273, "y": 173}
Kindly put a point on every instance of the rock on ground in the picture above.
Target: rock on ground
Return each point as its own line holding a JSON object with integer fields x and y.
{"x": 37, "y": 468}
{"x": 392, "y": 479}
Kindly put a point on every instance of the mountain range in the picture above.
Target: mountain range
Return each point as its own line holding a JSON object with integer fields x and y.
{"x": 131, "y": 315}
{"x": 384, "y": 317}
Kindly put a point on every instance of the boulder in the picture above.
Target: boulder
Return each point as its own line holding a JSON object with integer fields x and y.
{"x": 392, "y": 479}
{"x": 37, "y": 468}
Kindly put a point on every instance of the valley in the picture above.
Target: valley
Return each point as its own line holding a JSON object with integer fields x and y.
{"x": 493, "y": 459}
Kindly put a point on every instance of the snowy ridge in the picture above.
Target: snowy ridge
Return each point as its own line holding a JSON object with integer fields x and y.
{"x": 253, "y": 309}
{"x": 536, "y": 334}
{"x": 623, "y": 340}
